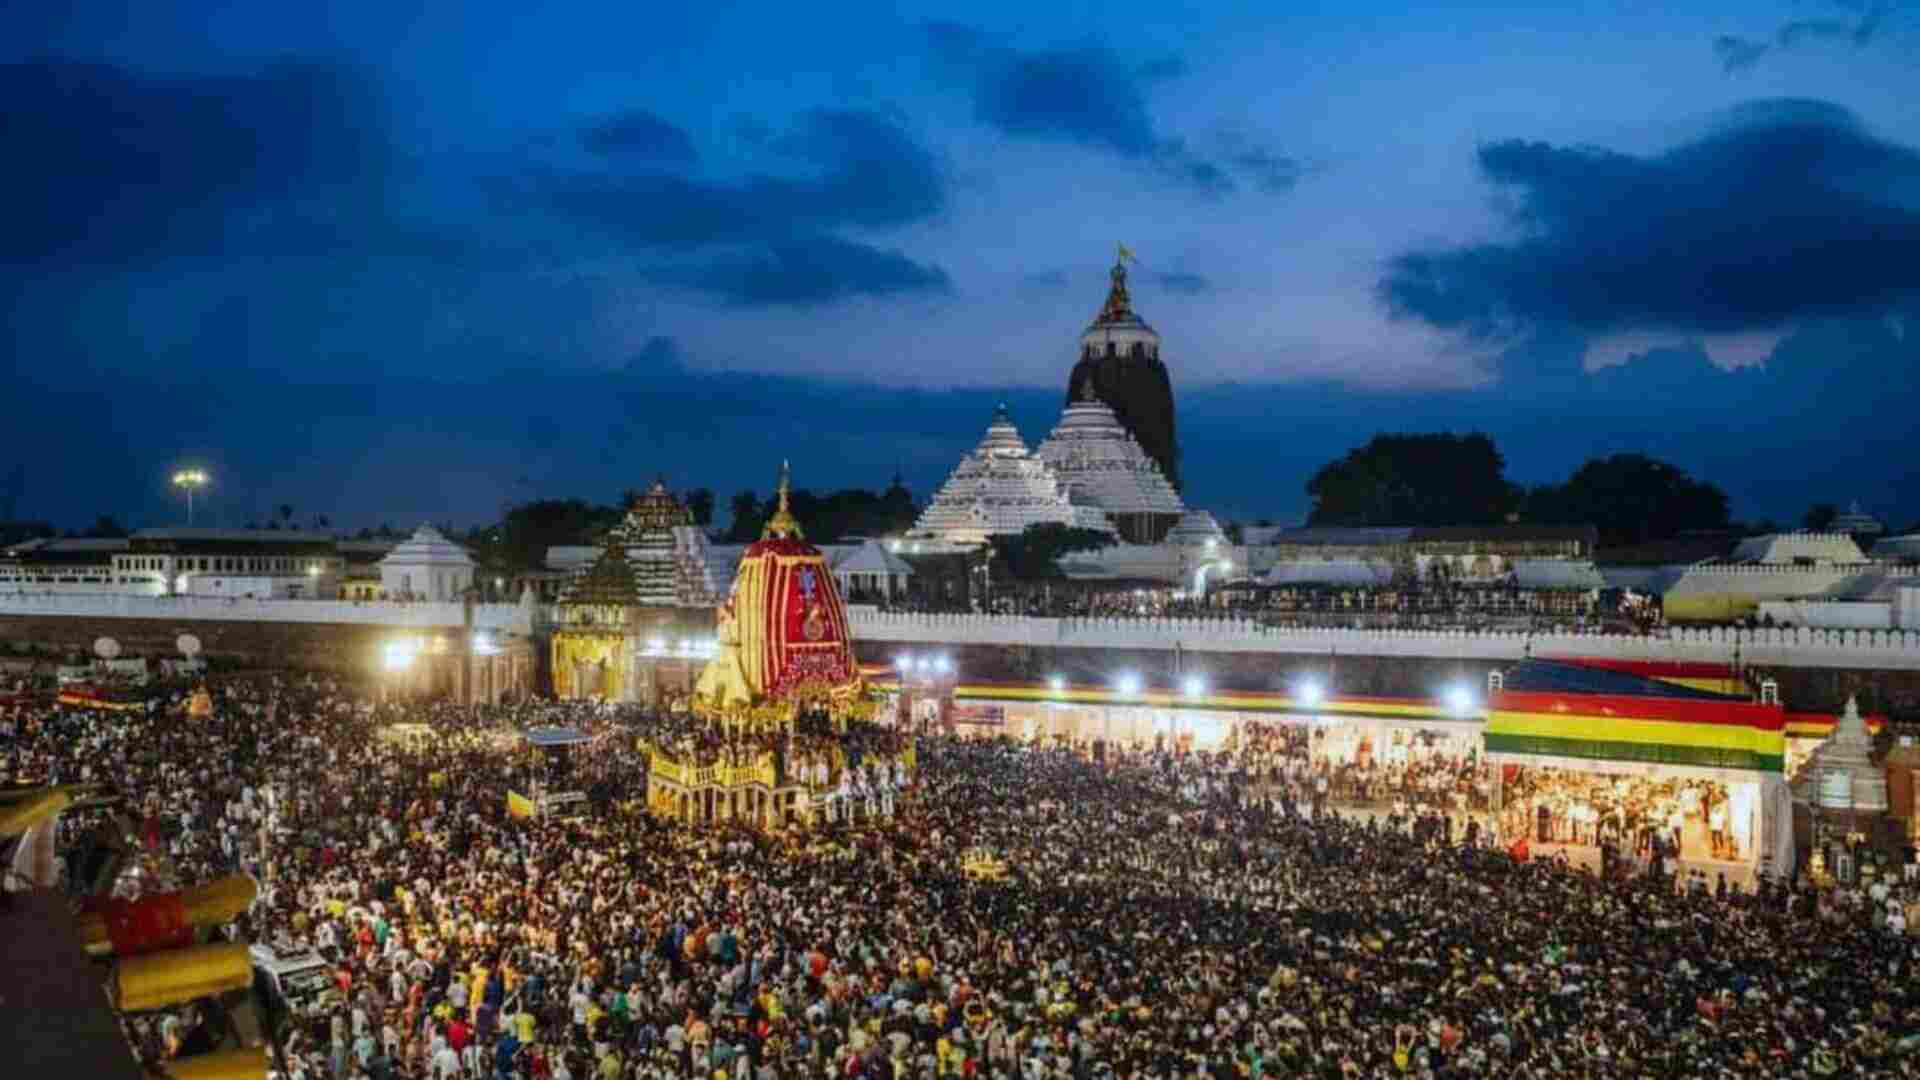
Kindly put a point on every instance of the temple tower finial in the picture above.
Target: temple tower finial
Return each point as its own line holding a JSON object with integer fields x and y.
{"x": 782, "y": 525}
{"x": 1119, "y": 307}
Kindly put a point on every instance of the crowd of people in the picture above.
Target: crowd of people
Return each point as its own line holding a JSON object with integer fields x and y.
{"x": 1637, "y": 815}
{"x": 1161, "y": 915}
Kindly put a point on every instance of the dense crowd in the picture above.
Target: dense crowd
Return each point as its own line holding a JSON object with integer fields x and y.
{"x": 1161, "y": 916}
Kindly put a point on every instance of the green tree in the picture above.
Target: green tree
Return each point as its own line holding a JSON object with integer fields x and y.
{"x": 830, "y": 518}
{"x": 521, "y": 539}
{"x": 1034, "y": 555}
{"x": 747, "y": 518}
{"x": 105, "y": 527}
{"x": 1434, "y": 479}
{"x": 1820, "y": 517}
{"x": 700, "y": 506}
{"x": 1630, "y": 499}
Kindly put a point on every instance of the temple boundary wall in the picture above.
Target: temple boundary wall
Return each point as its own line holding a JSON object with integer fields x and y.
{"x": 1861, "y": 649}
{"x": 1791, "y": 647}
{"x": 497, "y": 618}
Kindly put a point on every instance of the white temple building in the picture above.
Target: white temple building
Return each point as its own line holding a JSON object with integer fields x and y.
{"x": 666, "y": 550}
{"x": 1000, "y": 489}
{"x": 1102, "y": 466}
{"x": 426, "y": 566}
{"x": 1857, "y": 522}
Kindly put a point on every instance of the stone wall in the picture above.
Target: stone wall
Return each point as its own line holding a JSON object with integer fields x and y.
{"x": 354, "y": 649}
{"x": 502, "y": 618}
{"x": 1817, "y": 670}
{"x": 1872, "y": 650}
{"x": 1895, "y": 693}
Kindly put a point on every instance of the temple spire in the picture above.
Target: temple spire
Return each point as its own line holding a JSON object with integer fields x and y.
{"x": 782, "y": 526}
{"x": 1118, "y": 308}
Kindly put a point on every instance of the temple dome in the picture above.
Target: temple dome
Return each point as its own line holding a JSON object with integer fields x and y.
{"x": 427, "y": 566}
{"x": 1197, "y": 528}
{"x": 1103, "y": 466}
{"x": 1000, "y": 489}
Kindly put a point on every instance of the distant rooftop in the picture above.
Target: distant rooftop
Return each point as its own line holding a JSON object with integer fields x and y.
{"x": 278, "y": 536}
{"x": 42, "y": 547}
{"x": 1679, "y": 551}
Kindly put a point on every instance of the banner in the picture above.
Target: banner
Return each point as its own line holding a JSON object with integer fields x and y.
{"x": 980, "y": 715}
{"x": 519, "y": 805}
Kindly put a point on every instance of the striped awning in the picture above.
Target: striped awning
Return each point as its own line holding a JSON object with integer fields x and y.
{"x": 1717, "y": 734}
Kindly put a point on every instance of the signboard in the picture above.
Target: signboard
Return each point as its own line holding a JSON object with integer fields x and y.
{"x": 980, "y": 715}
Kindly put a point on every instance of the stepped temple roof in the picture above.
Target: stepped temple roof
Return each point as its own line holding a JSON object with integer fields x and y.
{"x": 1102, "y": 465}
{"x": 998, "y": 489}
{"x": 609, "y": 582}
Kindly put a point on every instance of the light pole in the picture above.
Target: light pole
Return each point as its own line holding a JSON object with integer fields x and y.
{"x": 190, "y": 480}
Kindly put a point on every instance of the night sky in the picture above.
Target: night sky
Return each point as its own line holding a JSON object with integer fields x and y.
{"x": 398, "y": 260}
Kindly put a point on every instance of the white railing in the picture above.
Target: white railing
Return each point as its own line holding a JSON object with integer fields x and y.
{"x": 1795, "y": 647}
{"x": 499, "y": 618}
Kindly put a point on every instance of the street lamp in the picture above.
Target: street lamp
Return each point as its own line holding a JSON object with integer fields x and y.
{"x": 1459, "y": 700}
{"x": 190, "y": 480}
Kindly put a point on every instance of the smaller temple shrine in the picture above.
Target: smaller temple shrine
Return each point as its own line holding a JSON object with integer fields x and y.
{"x": 784, "y": 649}
{"x": 594, "y": 621}
{"x": 633, "y": 624}
{"x": 1000, "y": 489}
{"x": 667, "y": 551}
{"x": 1843, "y": 790}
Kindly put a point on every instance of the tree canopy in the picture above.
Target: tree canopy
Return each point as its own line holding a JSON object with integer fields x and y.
{"x": 521, "y": 539}
{"x": 1445, "y": 479}
{"x": 1820, "y": 517}
{"x": 1630, "y": 499}
{"x": 828, "y": 519}
{"x": 1434, "y": 480}
{"x": 1034, "y": 555}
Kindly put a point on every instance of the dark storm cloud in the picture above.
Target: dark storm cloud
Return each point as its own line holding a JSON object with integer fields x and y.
{"x": 1855, "y": 24}
{"x": 859, "y": 170}
{"x": 640, "y": 135}
{"x": 106, "y": 165}
{"x": 813, "y": 269}
{"x": 1088, "y": 96}
{"x": 1788, "y": 209}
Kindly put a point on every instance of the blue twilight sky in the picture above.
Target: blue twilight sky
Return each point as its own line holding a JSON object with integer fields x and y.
{"x": 402, "y": 260}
